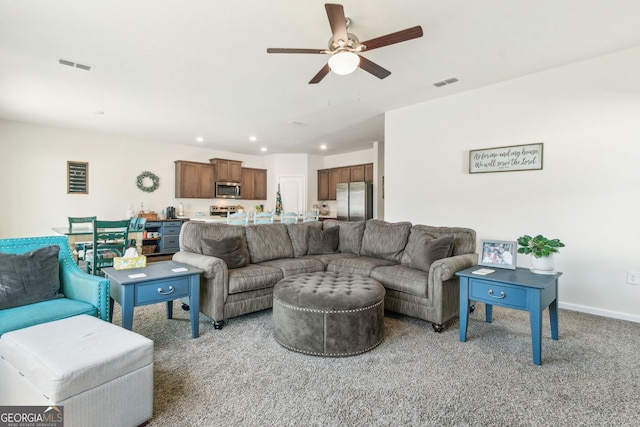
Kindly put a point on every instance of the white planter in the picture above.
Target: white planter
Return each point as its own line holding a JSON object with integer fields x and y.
{"x": 544, "y": 265}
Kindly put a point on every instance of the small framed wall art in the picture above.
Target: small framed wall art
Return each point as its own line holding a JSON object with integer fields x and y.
{"x": 498, "y": 253}
{"x": 506, "y": 159}
{"x": 77, "y": 177}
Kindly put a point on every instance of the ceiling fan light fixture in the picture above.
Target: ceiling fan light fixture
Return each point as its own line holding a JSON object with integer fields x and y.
{"x": 344, "y": 63}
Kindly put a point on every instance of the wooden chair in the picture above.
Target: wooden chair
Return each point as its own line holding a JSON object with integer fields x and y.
{"x": 289, "y": 218}
{"x": 80, "y": 248}
{"x": 110, "y": 240}
{"x": 238, "y": 218}
{"x": 263, "y": 218}
{"x": 310, "y": 217}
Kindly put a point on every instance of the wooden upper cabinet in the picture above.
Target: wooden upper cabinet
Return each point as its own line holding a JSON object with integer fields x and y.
{"x": 194, "y": 180}
{"x": 368, "y": 172}
{"x": 254, "y": 184}
{"x": 323, "y": 185}
{"x": 227, "y": 170}
{"x": 329, "y": 178}
{"x": 357, "y": 173}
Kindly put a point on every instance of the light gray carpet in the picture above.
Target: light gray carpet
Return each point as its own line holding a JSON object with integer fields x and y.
{"x": 239, "y": 376}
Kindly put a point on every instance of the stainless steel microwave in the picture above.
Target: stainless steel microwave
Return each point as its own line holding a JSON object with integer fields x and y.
{"x": 228, "y": 190}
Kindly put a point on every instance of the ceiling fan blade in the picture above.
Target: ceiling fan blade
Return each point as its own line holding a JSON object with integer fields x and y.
{"x": 373, "y": 68}
{"x": 318, "y": 77}
{"x": 335, "y": 13}
{"x": 288, "y": 50}
{"x": 393, "y": 38}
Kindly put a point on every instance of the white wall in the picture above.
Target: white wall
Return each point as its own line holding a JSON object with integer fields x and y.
{"x": 588, "y": 194}
{"x": 33, "y": 165}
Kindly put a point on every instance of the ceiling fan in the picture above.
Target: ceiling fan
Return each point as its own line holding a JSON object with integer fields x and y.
{"x": 344, "y": 47}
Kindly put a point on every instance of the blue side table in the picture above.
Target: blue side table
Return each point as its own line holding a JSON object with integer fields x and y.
{"x": 518, "y": 289}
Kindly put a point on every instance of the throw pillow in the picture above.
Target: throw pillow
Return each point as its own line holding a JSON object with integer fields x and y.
{"x": 323, "y": 241}
{"x": 232, "y": 250}
{"x": 385, "y": 240}
{"x": 30, "y": 277}
{"x": 426, "y": 251}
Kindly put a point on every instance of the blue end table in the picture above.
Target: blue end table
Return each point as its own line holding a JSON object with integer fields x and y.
{"x": 158, "y": 282}
{"x": 519, "y": 289}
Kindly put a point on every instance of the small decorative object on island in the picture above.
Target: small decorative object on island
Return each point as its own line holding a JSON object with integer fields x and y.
{"x": 278, "y": 210}
{"x": 542, "y": 250}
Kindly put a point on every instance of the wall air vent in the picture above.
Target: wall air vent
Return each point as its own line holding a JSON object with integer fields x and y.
{"x": 445, "y": 82}
{"x": 74, "y": 64}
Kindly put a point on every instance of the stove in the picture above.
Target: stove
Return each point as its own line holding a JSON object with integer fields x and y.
{"x": 222, "y": 210}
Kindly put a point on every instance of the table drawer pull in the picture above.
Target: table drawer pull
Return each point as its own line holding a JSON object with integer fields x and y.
{"x": 171, "y": 289}
{"x": 502, "y": 294}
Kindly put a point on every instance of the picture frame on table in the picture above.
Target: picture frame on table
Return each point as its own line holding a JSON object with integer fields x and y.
{"x": 498, "y": 253}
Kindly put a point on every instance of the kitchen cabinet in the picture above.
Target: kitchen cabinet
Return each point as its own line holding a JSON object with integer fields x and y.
{"x": 368, "y": 173}
{"x": 323, "y": 184}
{"x": 254, "y": 184}
{"x": 227, "y": 170}
{"x": 329, "y": 178}
{"x": 164, "y": 235}
{"x": 194, "y": 180}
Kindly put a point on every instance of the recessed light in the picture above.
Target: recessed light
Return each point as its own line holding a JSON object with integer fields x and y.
{"x": 263, "y": 149}
{"x": 252, "y": 138}
{"x": 323, "y": 147}
{"x": 200, "y": 139}
{"x": 97, "y": 113}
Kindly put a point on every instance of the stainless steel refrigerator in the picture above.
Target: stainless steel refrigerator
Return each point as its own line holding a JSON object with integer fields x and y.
{"x": 354, "y": 201}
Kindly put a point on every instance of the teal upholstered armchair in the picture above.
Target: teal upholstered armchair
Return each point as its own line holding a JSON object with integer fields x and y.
{"x": 82, "y": 293}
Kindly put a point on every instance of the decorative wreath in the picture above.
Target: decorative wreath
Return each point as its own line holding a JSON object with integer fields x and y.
{"x": 155, "y": 182}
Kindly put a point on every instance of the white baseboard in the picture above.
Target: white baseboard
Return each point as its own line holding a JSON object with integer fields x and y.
{"x": 600, "y": 312}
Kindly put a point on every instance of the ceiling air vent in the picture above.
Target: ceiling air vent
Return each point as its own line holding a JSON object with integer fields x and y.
{"x": 445, "y": 82}
{"x": 74, "y": 64}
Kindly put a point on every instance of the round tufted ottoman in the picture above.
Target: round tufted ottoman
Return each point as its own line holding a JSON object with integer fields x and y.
{"x": 328, "y": 314}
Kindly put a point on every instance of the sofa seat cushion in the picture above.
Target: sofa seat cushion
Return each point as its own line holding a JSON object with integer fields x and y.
{"x": 291, "y": 266}
{"x": 403, "y": 278}
{"x": 327, "y": 258}
{"x": 43, "y": 312}
{"x": 385, "y": 240}
{"x": 358, "y": 265}
{"x": 253, "y": 277}
{"x": 268, "y": 241}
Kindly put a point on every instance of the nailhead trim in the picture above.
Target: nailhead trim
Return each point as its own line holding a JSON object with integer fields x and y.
{"x": 316, "y": 310}
{"x": 313, "y": 353}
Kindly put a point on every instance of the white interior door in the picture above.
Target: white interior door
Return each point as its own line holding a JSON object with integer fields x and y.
{"x": 292, "y": 190}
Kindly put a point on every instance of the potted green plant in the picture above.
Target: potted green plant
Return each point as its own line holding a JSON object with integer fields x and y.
{"x": 542, "y": 250}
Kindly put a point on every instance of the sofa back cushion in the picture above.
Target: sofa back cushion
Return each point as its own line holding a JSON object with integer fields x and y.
{"x": 350, "y": 235}
{"x": 385, "y": 240}
{"x": 29, "y": 277}
{"x": 192, "y": 233}
{"x": 232, "y": 250}
{"x": 299, "y": 236}
{"x": 268, "y": 241}
{"x": 464, "y": 239}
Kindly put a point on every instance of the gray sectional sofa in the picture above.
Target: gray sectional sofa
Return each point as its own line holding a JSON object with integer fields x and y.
{"x": 415, "y": 263}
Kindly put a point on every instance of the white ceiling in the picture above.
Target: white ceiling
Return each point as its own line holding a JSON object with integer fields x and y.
{"x": 171, "y": 71}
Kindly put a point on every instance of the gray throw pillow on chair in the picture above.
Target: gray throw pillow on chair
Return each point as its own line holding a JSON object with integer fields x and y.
{"x": 30, "y": 277}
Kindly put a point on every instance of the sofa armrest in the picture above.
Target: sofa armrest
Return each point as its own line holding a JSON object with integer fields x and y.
{"x": 211, "y": 266}
{"x": 81, "y": 286}
{"x": 446, "y": 268}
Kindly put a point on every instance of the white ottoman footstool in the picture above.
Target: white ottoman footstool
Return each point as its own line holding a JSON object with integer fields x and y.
{"x": 100, "y": 373}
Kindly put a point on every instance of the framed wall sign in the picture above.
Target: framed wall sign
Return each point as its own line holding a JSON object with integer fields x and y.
{"x": 498, "y": 253}
{"x": 506, "y": 159}
{"x": 77, "y": 177}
